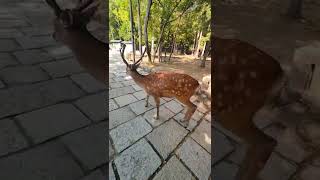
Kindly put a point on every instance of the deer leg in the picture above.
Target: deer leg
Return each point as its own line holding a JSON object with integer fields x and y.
{"x": 147, "y": 99}
{"x": 157, "y": 100}
{"x": 191, "y": 108}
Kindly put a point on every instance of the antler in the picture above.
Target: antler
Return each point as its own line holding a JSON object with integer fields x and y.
{"x": 141, "y": 56}
{"x": 123, "y": 47}
{"x": 53, "y": 4}
{"x": 84, "y": 5}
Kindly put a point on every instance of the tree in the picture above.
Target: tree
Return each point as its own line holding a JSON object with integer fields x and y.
{"x": 132, "y": 31}
{"x": 139, "y": 27}
{"x": 146, "y": 20}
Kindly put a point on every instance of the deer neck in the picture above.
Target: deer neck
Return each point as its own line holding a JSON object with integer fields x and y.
{"x": 138, "y": 78}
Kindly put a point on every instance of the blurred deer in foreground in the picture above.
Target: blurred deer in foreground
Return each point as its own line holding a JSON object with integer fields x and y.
{"x": 247, "y": 80}
{"x": 70, "y": 29}
{"x": 165, "y": 84}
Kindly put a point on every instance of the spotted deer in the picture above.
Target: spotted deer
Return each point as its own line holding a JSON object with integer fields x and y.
{"x": 70, "y": 28}
{"x": 164, "y": 84}
{"x": 246, "y": 81}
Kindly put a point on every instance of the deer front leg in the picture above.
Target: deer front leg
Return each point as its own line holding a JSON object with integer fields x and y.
{"x": 157, "y": 100}
{"x": 147, "y": 99}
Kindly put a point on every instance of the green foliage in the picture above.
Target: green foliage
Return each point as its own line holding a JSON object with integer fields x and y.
{"x": 182, "y": 19}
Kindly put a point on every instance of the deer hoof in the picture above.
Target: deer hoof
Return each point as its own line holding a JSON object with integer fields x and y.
{"x": 184, "y": 123}
{"x": 156, "y": 117}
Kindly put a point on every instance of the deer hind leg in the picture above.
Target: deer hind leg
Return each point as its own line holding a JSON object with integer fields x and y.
{"x": 147, "y": 99}
{"x": 191, "y": 108}
{"x": 157, "y": 100}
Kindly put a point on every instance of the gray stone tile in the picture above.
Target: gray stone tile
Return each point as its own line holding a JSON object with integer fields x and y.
{"x": 153, "y": 103}
{"x": 51, "y": 121}
{"x": 128, "y": 83}
{"x": 137, "y": 88}
{"x": 139, "y": 107}
{"x": 202, "y": 135}
{"x": 59, "y": 52}
{"x": 140, "y": 95}
{"x": 164, "y": 115}
{"x": 192, "y": 123}
{"x": 20, "y": 99}
{"x": 174, "y": 169}
{"x": 88, "y": 83}
{"x": 32, "y": 56}
{"x": 290, "y": 146}
{"x": 174, "y": 106}
{"x": 166, "y": 137}
{"x": 125, "y": 100}
{"x": 120, "y": 116}
{"x": 111, "y": 150}
{"x": 49, "y": 161}
{"x": 112, "y": 105}
{"x": 23, "y": 74}
{"x": 28, "y": 43}
{"x": 94, "y": 106}
{"x": 45, "y": 40}
{"x": 11, "y": 139}
{"x": 208, "y": 117}
{"x": 274, "y": 130}
{"x": 197, "y": 115}
{"x": 32, "y": 31}
{"x": 137, "y": 162}
{"x": 222, "y": 145}
{"x": 2, "y": 85}
{"x": 7, "y": 45}
{"x": 12, "y": 23}
{"x": 239, "y": 154}
{"x": 120, "y": 92}
{"x": 128, "y": 133}
{"x": 167, "y": 99}
{"x": 225, "y": 171}
{"x": 277, "y": 168}
{"x": 115, "y": 85}
{"x": 95, "y": 175}
{"x": 6, "y": 60}
{"x": 10, "y": 33}
{"x": 196, "y": 158}
{"x": 111, "y": 173}
{"x": 93, "y": 137}
{"x": 62, "y": 68}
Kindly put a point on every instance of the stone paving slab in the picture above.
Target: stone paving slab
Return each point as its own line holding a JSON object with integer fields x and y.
{"x": 28, "y": 43}
{"x": 164, "y": 115}
{"x": 52, "y": 121}
{"x": 137, "y": 162}
{"x": 11, "y": 139}
{"x": 225, "y": 171}
{"x": 174, "y": 106}
{"x": 179, "y": 118}
{"x": 125, "y": 100}
{"x": 32, "y": 56}
{"x": 59, "y": 52}
{"x": 39, "y": 31}
{"x": 120, "y": 91}
{"x": 10, "y": 33}
{"x": 88, "y": 145}
{"x": 23, "y": 75}
{"x": 120, "y": 116}
{"x": 222, "y": 146}
{"x": 112, "y": 105}
{"x": 116, "y": 85}
{"x": 196, "y": 158}
{"x": 95, "y": 175}
{"x": 139, "y": 107}
{"x": 9, "y": 23}
{"x": 140, "y": 95}
{"x": 7, "y": 45}
{"x": 62, "y": 68}
{"x": 88, "y": 83}
{"x": 48, "y": 161}
{"x": 277, "y": 168}
{"x": 166, "y": 137}
{"x": 202, "y": 135}
{"x": 26, "y": 98}
{"x": 6, "y": 60}
{"x": 111, "y": 173}
{"x": 2, "y": 85}
{"x": 128, "y": 133}
{"x": 94, "y": 106}
{"x": 174, "y": 169}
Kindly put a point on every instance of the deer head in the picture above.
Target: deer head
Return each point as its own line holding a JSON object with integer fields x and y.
{"x": 130, "y": 67}
{"x": 70, "y": 20}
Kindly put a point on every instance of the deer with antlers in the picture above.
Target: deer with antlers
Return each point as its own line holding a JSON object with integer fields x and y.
{"x": 70, "y": 28}
{"x": 247, "y": 81}
{"x": 165, "y": 84}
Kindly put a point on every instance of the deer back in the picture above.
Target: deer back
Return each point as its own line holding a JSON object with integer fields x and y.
{"x": 244, "y": 75}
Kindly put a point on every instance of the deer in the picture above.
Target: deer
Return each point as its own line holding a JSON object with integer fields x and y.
{"x": 70, "y": 28}
{"x": 164, "y": 84}
{"x": 246, "y": 81}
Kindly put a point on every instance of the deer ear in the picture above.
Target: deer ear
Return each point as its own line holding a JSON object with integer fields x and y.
{"x": 89, "y": 11}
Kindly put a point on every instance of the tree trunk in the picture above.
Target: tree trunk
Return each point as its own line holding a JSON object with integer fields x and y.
{"x": 198, "y": 44}
{"x": 139, "y": 27}
{"x": 172, "y": 47}
{"x": 195, "y": 43}
{"x": 295, "y": 8}
{"x": 132, "y": 32}
{"x": 159, "y": 52}
{"x": 205, "y": 54}
{"x": 146, "y": 20}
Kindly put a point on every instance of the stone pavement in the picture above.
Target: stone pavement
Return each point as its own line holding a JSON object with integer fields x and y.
{"x": 143, "y": 148}
{"x": 52, "y": 113}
